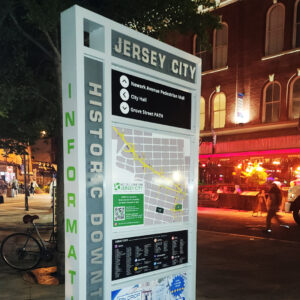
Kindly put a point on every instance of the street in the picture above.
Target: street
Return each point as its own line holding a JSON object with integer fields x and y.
{"x": 242, "y": 222}
{"x": 236, "y": 260}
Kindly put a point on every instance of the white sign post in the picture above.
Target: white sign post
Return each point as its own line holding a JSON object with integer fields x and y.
{"x": 131, "y": 132}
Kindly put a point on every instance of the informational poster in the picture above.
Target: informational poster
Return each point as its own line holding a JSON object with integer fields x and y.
{"x": 167, "y": 288}
{"x": 158, "y": 162}
{"x": 128, "y": 204}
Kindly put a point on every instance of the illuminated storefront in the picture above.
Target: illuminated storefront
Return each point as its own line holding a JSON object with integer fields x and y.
{"x": 228, "y": 167}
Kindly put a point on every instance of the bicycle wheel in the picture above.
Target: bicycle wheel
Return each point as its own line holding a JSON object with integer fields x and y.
{"x": 21, "y": 251}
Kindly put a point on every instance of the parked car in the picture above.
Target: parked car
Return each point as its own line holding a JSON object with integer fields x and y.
{"x": 293, "y": 202}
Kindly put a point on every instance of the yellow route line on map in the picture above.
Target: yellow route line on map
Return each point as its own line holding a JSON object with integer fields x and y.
{"x": 131, "y": 149}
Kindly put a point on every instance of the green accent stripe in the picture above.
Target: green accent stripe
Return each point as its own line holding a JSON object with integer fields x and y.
{"x": 69, "y": 90}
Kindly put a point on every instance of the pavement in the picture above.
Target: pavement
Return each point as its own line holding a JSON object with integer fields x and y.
{"x": 229, "y": 266}
{"x": 15, "y": 284}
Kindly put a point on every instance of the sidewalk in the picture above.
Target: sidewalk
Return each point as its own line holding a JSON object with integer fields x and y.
{"x": 13, "y": 210}
{"x": 12, "y": 282}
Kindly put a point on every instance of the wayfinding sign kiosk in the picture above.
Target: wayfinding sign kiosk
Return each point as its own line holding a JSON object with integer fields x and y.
{"x": 131, "y": 131}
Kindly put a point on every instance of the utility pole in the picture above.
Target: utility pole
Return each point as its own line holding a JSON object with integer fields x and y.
{"x": 25, "y": 184}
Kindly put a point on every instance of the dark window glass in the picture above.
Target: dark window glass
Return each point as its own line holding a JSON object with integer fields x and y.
{"x": 272, "y": 103}
{"x": 276, "y": 92}
{"x": 298, "y": 26}
{"x": 275, "y": 112}
{"x": 204, "y": 54}
{"x": 206, "y": 60}
{"x": 298, "y": 13}
{"x": 275, "y": 30}
{"x": 296, "y": 89}
{"x": 298, "y": 35}
{"x": 272, "y": 112}
{"x": 296, "y": 110}
{"x": 197, "y": 47}
{"x": 269, "y": 93}
{"x": 268, "y": 113}
{"x": 221, "y": 47}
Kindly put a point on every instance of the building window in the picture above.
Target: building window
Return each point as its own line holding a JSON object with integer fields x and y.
{"x": 296, "y": 40}
{"x": 271, "y": 102}
{"x": 219, "y": 110}
{"x": 202, "y": 113}
{"x": 203, "y": 53}
{"x": 220, "y": 47}
{"x": 294, "y": 112}
{"x": 275, "y": 29}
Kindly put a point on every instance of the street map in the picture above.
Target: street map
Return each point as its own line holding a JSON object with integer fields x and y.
{"x": 150, "y": 177}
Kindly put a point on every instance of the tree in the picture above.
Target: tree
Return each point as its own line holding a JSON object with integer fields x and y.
{"x": 30, "y": 89}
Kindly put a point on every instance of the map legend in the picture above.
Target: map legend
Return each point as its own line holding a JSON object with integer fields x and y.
{"x": 138, "y": 255}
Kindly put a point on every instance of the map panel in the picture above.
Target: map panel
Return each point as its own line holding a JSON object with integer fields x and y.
{"x": 161, "y": 163}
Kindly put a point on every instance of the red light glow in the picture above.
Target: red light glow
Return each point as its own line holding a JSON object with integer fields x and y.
{"x": 250, "y": 153}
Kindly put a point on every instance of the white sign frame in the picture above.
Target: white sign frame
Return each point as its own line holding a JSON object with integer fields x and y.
{"x": 79, "y": 284}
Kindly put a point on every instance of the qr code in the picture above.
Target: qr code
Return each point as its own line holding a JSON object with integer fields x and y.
{"x": 119, "y": 213}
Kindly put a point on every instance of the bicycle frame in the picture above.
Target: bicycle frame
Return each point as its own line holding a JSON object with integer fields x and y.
{"x": 39, "y": 236}
{"x": 40, "y": 239}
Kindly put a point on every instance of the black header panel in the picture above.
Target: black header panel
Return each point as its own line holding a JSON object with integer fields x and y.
{"x": 140, "y": 99}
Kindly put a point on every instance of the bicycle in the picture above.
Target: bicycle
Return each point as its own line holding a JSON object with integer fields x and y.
{"x": 22, "y": 251}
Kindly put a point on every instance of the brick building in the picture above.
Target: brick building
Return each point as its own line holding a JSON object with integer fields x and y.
{"x": 250, "y": 104}
{"x": 251, "y": 88}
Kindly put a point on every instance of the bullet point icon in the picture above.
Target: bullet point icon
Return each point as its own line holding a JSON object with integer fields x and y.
{"x": 124, "y": 108}
{"x": 124, "y": 81}
{"x": 124, "y": 94}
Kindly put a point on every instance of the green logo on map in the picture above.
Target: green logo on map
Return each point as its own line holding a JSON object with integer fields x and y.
{"x": 117, "y": 186}
{"x": 128, "y": 187}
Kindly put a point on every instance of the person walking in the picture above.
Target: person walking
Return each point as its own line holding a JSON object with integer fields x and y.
{"x": 261, "y": 202}
{"x": 15, "y": 186}
{"x": 52, "y": 191}
{"x": 31, "y": 188}
{"x": 274, "y": 204}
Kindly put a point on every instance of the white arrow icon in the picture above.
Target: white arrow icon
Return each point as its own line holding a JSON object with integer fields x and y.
{"x": 124, "y": 81}
{"x": 124, "y": 108}
{"x": 124, "y": 94}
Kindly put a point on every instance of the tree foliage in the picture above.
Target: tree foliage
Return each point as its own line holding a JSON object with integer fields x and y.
{"x": 158, "y": 17}
{"x": 29, "y": 95}
{"x": 30, "y": 91}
